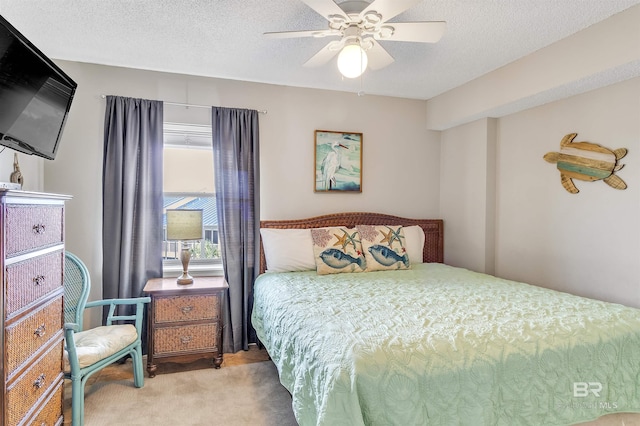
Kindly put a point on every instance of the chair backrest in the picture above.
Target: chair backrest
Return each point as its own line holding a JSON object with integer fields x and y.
{"x": 76, "y": 288}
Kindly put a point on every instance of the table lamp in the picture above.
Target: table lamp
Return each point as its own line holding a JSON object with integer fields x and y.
{"x": 184, "y": 225}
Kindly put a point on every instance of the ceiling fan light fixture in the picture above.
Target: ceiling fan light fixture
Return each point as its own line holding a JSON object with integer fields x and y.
{"x": 352, "y": 61}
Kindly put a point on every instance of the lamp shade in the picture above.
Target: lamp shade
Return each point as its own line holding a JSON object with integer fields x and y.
{"x": 184, "y": 224}
{"x": 352, "y": 61}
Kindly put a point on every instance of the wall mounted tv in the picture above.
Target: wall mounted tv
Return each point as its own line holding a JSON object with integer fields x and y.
{"x": 35, "y": 96}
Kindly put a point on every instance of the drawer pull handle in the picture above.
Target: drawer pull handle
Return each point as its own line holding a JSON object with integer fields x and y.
{"x": 187, "y": 309}
{"x": 38, "y": 228}
{"x": 39, "y": 381}
{"x": 40, "y": 331}
{"x": 185, "y": 339}
{"x": 39, "y": 280}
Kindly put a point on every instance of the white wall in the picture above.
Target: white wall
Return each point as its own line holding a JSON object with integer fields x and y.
{"x": 400, "y": 156}
{"x": 31, "y": 168}
{"x": 586, "y": 243}
{"x": 467, "y": 195}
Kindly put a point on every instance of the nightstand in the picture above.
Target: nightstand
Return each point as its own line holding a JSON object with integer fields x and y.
{"x": 185, "y": 321}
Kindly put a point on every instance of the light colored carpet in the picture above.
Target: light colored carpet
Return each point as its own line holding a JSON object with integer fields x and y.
{"x": 248, "y": 394}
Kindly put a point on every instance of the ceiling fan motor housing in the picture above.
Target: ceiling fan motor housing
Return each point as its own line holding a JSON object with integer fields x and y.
{"x": 356, "y": 29}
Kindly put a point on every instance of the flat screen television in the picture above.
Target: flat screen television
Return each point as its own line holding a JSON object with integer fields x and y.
{"x": 35, "y": 96}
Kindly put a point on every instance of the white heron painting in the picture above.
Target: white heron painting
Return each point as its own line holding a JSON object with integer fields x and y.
{"x": 338, "y": 158}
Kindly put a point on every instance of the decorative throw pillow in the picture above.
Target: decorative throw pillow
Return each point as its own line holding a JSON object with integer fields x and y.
{"x": 337, "y": 249}
{"x": 384, "y": 247}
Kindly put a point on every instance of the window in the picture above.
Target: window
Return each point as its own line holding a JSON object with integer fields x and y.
{"x": 188, "y": 184}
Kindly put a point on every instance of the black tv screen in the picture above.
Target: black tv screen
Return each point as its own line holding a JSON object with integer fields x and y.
{"x": 35, "y": 96}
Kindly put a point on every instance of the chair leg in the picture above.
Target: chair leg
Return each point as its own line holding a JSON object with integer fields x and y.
{"x": 138, "y": 371}
{"x": 77, "y": 401}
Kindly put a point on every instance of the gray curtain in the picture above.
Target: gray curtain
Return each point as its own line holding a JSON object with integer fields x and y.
{"x": 131, "y": 195}
{"x": 236, "y": 168}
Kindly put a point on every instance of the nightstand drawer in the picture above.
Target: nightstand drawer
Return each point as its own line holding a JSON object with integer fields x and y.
{"x": 32, "y": 279}
{"x": 185, "y": 308}
{"x": 33, "y": 226}
{"x": 33, "y": 385}
{"x": 29, "y": 334}
{"x": 172, "y": 340}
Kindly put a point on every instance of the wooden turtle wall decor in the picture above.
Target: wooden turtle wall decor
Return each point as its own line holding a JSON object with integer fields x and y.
{"x": 586, "y": 161}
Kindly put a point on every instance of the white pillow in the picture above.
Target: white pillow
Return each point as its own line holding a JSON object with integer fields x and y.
{"x": 288, "y": 250}
{"x": 414, "y": 239}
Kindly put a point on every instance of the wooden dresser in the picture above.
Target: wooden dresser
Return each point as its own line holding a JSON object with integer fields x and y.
{"x": 32, "y": 256}
{"x": 185, "y": 321}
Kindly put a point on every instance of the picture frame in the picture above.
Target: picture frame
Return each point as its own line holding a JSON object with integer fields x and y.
{"x": 338, "y": 161}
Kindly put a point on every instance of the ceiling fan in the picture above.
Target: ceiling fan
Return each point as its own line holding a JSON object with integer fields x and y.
{"x": 359, "y": 25}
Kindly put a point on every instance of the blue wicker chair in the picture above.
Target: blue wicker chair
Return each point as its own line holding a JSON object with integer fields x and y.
{"x": 88, "y": 351}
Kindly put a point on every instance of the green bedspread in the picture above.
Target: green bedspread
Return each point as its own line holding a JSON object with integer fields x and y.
{"x": 443, "y": 346}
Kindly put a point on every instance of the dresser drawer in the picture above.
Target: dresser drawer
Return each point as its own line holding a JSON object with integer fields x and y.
{"x": 171, "y": 340}
{"x": 28, "y": 335}
{"x": 33, "y": 226}
{"x": 23, "y": 394}
{"x": 185, "y": 308}
{"x": 51, "y": 413}
{"x": 32, "y": 279}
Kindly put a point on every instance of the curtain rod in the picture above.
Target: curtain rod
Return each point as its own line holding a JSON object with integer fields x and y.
{"x": 261, "y": 111}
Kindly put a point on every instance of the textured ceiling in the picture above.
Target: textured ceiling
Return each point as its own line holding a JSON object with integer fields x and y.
{"x": 223, "y": 38}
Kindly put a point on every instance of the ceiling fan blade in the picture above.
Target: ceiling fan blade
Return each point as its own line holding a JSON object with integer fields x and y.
{"x": 378, "y": 57}
{"x": 326, "y": 8}
{"x": 422, "y": 32}
{"x": 324, "y": 55}
{"x": 388, "y": 8}
{"x": 308, "y": 33}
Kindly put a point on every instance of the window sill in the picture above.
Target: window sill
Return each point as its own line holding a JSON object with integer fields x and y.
{"x": 170, "y": 271}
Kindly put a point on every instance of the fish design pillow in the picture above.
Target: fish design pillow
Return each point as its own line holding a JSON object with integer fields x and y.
{"x": 337, "y": 250}
{"x": 384, "y": 247}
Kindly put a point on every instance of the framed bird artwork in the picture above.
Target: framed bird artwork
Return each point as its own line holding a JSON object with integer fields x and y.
{"x": 338, "y": 161}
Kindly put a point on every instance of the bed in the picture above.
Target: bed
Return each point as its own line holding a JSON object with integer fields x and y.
{"x": 433, "y": 344}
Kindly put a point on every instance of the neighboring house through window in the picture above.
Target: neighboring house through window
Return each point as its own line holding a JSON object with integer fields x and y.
{"x": 188, "y": 184}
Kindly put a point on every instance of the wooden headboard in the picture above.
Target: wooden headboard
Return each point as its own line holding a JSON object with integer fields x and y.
{"x": 433, "y": 250}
